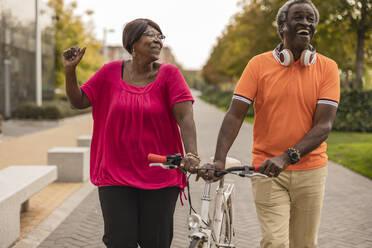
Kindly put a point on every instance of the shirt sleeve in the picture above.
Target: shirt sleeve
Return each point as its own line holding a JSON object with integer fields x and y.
{"x": 93, "y": 86}
{"x": 330, "y": 88}
{"x": 178, "y": 89}
{"x": 246, "y": 88}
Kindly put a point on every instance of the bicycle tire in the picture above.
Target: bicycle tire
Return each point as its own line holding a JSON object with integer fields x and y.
{"x": 196, "y": 242}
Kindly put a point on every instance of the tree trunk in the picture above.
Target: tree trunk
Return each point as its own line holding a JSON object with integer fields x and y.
{"x": 359, "y": 62}
{"x": 361, "y": 34}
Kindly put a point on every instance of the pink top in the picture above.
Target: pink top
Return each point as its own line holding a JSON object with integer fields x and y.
{"x": 130, "y": 122}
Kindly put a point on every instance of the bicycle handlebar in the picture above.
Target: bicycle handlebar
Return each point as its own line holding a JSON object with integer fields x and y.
{"x": 173, "y": 161}
{"x": 243, "y": 169}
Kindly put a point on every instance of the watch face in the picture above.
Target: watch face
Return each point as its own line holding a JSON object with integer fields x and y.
{"x": 294, "y": 156}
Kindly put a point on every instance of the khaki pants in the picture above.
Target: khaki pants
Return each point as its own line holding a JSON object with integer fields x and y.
{"x": 289, "y": 208}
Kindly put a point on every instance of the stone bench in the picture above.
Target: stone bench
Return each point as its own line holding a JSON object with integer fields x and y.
{"x": 17, "y": 185}
{"x": 84, "y": 141}
{"x": 72, "y": 163}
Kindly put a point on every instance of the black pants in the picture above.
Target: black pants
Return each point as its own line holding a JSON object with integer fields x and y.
{"x": 135, "y": 216}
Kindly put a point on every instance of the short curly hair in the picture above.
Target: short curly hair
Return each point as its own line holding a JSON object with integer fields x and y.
{"x": 282, "y": 14}
{"x": 133, "y": 31}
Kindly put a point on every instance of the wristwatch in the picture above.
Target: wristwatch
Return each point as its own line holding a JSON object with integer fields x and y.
{"x": 294, "y": 155}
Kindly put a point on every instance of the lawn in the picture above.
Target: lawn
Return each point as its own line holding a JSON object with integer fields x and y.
{"x": 350, "y": 149}
{"x": 353, "y": 150}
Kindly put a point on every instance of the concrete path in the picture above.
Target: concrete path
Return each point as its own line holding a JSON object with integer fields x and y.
{"x": 346, "y": 221}
{"x": 27, "y": 143}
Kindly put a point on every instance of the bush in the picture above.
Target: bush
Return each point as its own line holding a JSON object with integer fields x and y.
{"x": 52, "y": 113}
{"x": 50, "y": 110}
{"x": 220, "y": 98}
{"x": 354, "y": 112}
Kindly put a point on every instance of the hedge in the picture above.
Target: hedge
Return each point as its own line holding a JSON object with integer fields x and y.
{"x": 50, "y": 110}
{"x": 221, "y": 99}
{"x": 354, "y": 112}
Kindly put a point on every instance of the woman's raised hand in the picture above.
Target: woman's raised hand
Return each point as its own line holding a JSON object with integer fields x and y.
{"x": 72, "y": 56}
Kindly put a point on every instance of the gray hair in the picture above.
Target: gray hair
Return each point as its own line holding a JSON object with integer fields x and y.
{"x": 281, "y": 17}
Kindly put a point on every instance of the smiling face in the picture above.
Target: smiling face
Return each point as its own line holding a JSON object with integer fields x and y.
{"x": 149, "y": 45}
{"x": 299, "y": 28}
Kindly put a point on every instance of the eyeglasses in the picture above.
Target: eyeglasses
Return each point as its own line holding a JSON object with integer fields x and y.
{"x": 153, "y": 35}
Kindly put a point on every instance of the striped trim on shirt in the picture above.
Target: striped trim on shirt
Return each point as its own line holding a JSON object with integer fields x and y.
{"x": 327, "y": 101}
{"x": 242, "y": 98}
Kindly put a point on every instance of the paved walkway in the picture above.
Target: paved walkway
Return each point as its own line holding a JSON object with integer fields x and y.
{"x": 346, "y": 220}
{"x": 27, "y": 143}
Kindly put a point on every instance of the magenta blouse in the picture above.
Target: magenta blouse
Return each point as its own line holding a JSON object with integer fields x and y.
{"x": 130, "y": 122}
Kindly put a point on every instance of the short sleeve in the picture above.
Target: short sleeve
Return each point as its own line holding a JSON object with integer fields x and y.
{"x": 92, "y": 87}
{"x": 178, "y": 89}
{"x": 329, "y": 92}
{"x": 246, "y": 89}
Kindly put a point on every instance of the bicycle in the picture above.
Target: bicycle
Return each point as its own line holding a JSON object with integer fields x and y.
{"x": 218, "y": 231}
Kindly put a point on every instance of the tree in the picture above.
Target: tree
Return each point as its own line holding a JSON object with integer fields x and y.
{"x": 350, "y": 22}
{"x": 344, "y": 34}
{"x": 250, "y": 32}
{"x": 70, "y": 31}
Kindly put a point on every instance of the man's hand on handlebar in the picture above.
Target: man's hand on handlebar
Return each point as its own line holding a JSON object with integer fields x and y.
{"x": 207, "y": 171}
{"x": 273, "y": 166}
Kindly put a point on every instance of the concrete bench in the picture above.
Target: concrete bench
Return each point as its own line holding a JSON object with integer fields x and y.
{"x": 84, "y": 140}
{"x": 17, "y": 185}
{"x": 72, "y": 163}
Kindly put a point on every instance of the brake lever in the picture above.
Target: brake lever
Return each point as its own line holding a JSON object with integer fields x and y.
{"x": 249, "y": 173}
{"x": 165, "y": 166}
{"x": 168, "y": 166}
{"x": 255, "y": 174}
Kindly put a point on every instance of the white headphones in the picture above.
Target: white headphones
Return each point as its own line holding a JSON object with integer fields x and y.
{"x": 285, "y": 56}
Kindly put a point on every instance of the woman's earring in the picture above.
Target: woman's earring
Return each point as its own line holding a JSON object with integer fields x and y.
{"x": 133, "y": 53}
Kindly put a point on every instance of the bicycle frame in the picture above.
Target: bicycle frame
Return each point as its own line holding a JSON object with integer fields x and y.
{"x": 224, "y": 192}
{"x": 210, "y": 229}
{"x": 203, "y": 229}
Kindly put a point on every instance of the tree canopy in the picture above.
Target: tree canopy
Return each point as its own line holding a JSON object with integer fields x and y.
{"x": 343, "y": 34}
{"x": 71, "y": 31}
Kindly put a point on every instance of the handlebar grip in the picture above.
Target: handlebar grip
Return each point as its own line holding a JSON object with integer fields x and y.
{"x": 219, "y": 173}
{"x": 256, "y": 168}
{"x": 156, "y": 158}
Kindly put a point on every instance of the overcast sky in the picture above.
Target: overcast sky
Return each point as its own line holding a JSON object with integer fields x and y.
{"x": 191, "y": 26}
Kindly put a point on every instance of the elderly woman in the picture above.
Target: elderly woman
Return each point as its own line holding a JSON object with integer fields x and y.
{"x": 139, "y": 106}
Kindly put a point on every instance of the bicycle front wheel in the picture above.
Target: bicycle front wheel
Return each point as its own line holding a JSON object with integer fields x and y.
{"x": 196, "y": 242}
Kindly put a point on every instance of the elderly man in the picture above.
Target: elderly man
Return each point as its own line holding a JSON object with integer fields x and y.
{"x": 295, "y": 93}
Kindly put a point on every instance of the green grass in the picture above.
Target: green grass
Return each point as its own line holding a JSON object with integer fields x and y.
{"x": 249, "y": 119}
{"x": 352, "y": 150}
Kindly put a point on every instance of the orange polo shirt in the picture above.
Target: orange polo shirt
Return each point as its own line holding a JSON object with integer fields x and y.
{"x": 285, "y": 100}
